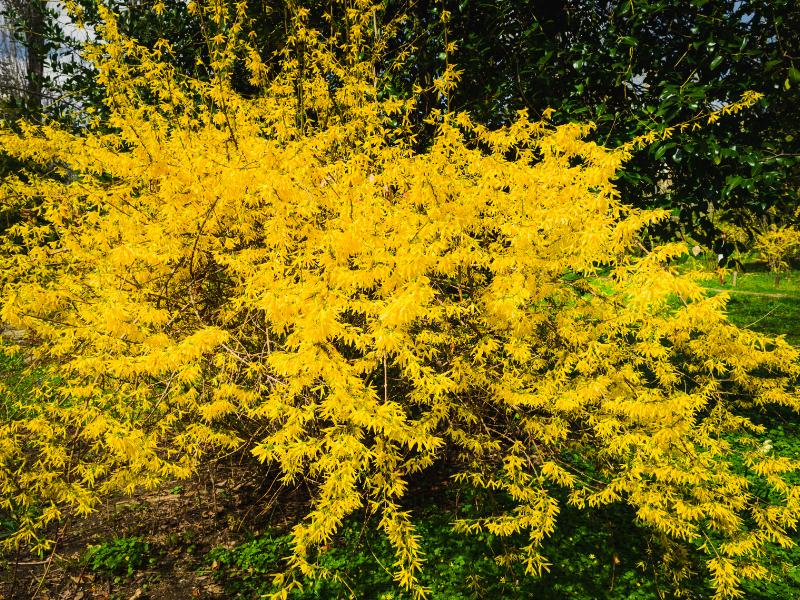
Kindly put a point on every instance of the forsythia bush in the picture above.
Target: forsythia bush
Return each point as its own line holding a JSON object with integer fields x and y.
{"x": 777, "y": 246}
{"x": 204, "y": 271}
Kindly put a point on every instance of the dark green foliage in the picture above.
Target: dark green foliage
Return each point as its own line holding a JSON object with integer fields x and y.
{"x": 17, "y": 381}
{"x": 589, "y": 561}
{"x": 602, "y": 555}
{"x": 121, "y": 556}
{"x": 782, "y": 437}
{"x": 629, "y": 67}
{"x": 245, "y": 568}
{"x": 636, "y": 66}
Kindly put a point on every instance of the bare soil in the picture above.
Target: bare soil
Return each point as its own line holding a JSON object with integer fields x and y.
{"x": 181, "y": 521}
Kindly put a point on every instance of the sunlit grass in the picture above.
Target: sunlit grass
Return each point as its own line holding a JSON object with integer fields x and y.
{"x": 759, "y": 303}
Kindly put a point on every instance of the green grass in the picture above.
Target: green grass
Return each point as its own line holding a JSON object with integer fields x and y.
{"x": 759, "y": 304}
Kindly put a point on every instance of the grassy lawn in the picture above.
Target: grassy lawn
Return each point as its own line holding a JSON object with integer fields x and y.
{"x": 759, "y": 304}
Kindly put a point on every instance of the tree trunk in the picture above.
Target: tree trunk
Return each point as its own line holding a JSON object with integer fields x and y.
{"x": 35, "y": 46}
{"x": 28, "y": 19}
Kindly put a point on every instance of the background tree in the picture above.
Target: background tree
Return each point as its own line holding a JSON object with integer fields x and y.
{"x": 28, "y": 37}
{"x": 633, "y": 67}
{"x": 12, "y": 62}
{"x": 627, "y": 67}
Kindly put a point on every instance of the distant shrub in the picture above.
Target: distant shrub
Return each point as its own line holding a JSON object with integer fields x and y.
{"x": 777, "y": 246}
